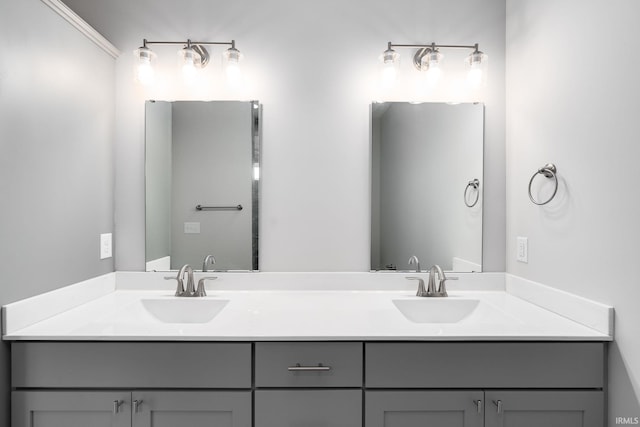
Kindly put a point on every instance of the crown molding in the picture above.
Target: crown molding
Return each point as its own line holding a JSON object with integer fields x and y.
{"x": 81, "y": 25}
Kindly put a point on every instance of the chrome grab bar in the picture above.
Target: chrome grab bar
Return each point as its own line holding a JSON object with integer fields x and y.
{"x": 219, "y": 208}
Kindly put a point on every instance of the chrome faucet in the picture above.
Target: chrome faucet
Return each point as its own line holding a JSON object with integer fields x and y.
{"x": 209, "y": 259}
{"x": 190, "y": 290}
{"x": 430, "y": 290}
{"x": 186, "y": 269}
{"x": 431, "y": 287}
{"x": 414, "y": 260}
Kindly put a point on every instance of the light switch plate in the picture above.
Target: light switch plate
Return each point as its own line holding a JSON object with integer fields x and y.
{"x": 522, "y": 250}
{"x": 106, "y": 246}
{"x": 191, "y": 228}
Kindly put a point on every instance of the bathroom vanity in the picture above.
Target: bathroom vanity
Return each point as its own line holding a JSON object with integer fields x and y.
{"x": 281, "y": 357}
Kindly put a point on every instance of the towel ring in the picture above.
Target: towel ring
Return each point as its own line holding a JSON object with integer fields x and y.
{"x": 472, "y": 184}
{"x": 549, "y": 171}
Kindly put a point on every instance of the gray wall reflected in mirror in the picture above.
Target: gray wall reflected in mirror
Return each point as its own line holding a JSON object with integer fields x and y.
{"x": 206, "y": 154}
{"x": 423, "y": 158}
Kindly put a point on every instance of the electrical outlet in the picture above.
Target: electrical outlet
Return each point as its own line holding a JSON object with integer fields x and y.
{"x": 522, "y": 249}
{"x": 105, "y": 246}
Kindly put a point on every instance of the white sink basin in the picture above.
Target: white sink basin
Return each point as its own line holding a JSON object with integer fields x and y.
{"x": 436, "y": 310}
{"x": 184, "y": 310}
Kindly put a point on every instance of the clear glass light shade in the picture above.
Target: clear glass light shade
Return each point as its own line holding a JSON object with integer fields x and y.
{"x": 477, "y": 65}
{"x": 232, "y": 58}
{"x": 390, "y": 63}
{"x": 430, "y": 64}
{"x": 191, "y": 61}
{"x": 144, "y": 66}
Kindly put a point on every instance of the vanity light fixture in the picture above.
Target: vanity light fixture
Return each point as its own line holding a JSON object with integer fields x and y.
{"x": 193, "y": 56}
{"x": 428, "y": 59}
{"x": 390, "y": 63}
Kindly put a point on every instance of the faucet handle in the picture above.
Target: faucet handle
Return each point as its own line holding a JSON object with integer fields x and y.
{"x": 201, "y": 292}
{"x": 442, "y": 288}
{"x": 421, "y": 290}
{"x": 180, "y": 288}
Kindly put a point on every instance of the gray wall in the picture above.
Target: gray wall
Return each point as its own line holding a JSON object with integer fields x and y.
{"x": 429, "y": 152}
{"x": 56, "y": 156}
{"x": 572, "y": 99}
{"x": 212, "y": 166}
{"x": 158, "y": 178}
{"x": 316, "y": 82}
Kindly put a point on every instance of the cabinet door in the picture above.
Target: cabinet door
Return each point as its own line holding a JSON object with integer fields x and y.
{"x": 424, "y": 408}
{"x": 70, "y": 409}
{"x": 191, "y": 408}
{"x": 544, "y": 408}
{"x": 294, "y": 408}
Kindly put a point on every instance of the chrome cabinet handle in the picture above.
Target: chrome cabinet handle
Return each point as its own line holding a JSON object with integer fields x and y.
{"x": 136, "y": 405}
{"x": 498, "y": 404}
{"x": 298, "y": 367}
{"x": 478, "y": 405}
{"x": 116, "y": 406}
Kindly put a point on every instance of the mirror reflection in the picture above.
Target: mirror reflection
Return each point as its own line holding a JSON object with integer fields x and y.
{"x": 426, "y": 185}
{"x": 202, "y": 165}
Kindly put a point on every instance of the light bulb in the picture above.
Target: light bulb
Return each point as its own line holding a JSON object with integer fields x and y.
{"x": 389, "y": 71}
{"x": 477, "y": 73}
{"x": 190, "y": 61}
{"x": 430, "y": 64}
{"x": 232, "y": 58}
{"x": 144, "y": 71}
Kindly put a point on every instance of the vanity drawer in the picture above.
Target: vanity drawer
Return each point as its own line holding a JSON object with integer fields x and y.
{"x": 131, "y": 364}
{"x": 298, "y": 364}
{"x": 485, "y": 365}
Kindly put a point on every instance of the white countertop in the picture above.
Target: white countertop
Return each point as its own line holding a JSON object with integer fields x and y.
{"x": 116, "y": 313}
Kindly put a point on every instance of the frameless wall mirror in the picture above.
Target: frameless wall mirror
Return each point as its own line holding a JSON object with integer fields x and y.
{"x": 426, "y": 185}
{"x": 202, "y": 167}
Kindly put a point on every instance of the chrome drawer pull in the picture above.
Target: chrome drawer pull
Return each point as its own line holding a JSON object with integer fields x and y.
{"x": 136, "y": 405}
{"x": 320, "y": 367}
{"x": 116, "y": 405}
{"x": 498, "y": 405}
{"x": 478, "y": 405}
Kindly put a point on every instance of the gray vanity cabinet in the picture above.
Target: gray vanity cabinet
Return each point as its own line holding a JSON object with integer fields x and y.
{"x": 57, "y": 384}
{"x": 495, "y": 408}
{"x": 131, "y": 409}
{"x": 308, "y": 384}
{"x": 191, "y": 408}
{"x": 544, "y": 408}
{"x": 70, "y": 409}
{"x": 442, "y": 408}
{"x": 335, "y": 408}
{"x": 280, "y": 384}
{"x": 519, "y": 384}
